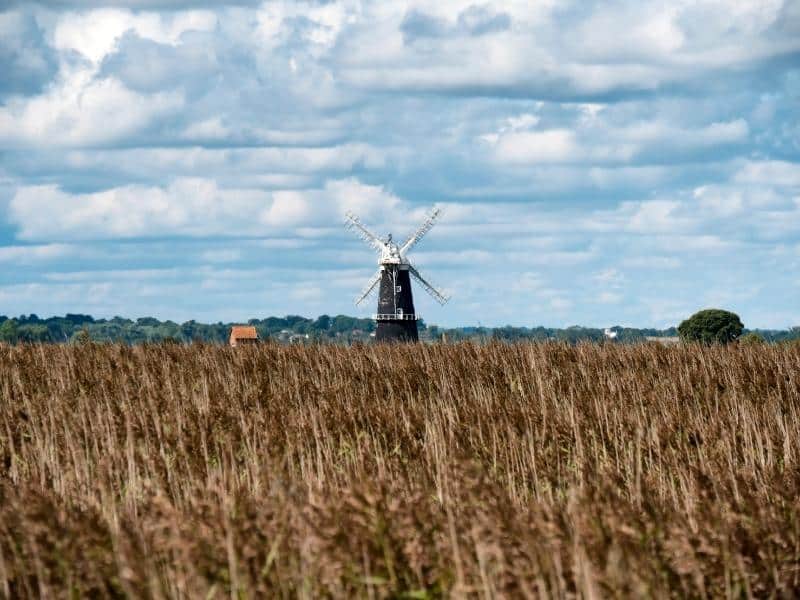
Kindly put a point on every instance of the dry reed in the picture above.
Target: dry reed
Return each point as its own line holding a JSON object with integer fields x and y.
{"x": 530, "y": 470}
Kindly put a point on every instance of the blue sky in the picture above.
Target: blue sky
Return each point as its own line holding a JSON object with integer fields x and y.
{"x": 598, "y": 164}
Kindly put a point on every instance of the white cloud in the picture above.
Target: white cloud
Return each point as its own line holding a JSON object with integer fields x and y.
{"x": 95, "y": 33}
{"x": 655, "y": 132}
{"x": 28, "y": 63}
{"x": 323, "y": 22}
{"x": 240, "y": 163}
{"x": 105, "y": 276}
{"x": 611, "y": 36}
{"x": 607, "y": 297}
{"x": 188, "y": 207}
{"x": 656, "y": 216}
{"x": 23, "y": 255}
{"x": 559, "y": 304}
{"x": 599, "y": 50}
{"x": 769, "y": 172}
{"x": 221, "y": 255}
{"x": 609, "y": 277}
{"x": 554, "y": 145}
{"x": 593, "y": 141}
{"x": 82, "y": 112}
{"x": 209, "y": 129}
{"x": 652, "y": 262}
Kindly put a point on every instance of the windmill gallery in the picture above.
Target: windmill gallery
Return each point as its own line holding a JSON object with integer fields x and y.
{"x": 396, "y": 319}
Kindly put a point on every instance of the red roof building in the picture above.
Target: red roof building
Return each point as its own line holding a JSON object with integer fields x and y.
{"x": 243, "y": 334}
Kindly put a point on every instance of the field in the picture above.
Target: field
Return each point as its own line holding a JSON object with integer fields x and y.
{"x": 530, "y": 470}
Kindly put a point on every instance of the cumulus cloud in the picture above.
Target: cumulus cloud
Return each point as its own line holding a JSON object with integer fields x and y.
{"x": 33, "y": 254}
{"x": 28, "y": 61}
{"x": 187, "y": 207}
{"x": 595, "y": 52}
{"x": 145, "y": 65}
{"x": 96, "y": 33}
{"x": 479, "y": 20}
{"x": 718, "y": 215}
{"x": 474, "y": 20}
{"x": 552, "y": 145}
{"x": 79, "y": 113}
{"x": 770, "y": 172}
{"x": 599, "y": 142}
{"x": 272, "y": 168}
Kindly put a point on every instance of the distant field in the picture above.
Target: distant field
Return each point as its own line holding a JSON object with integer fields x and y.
{"x": 415, "y": 471}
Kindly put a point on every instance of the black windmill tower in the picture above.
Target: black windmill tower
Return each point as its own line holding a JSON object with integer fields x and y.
{"x": 396, "y": 318}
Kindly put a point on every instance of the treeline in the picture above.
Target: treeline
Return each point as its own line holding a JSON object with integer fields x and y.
{"x": 570, "y": 334}
{"x": 73, "y": 328}
{"x": 77, "y": 327}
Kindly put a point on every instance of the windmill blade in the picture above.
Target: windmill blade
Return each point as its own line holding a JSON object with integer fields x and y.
{"x": 440, "y": 297}
{"x": 420, "y": 233}
{"x": 371, "y": 284}
{"x": 353, "y": 223}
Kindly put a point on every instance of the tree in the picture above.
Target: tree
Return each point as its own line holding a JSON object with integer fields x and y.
{"x": 711, "y": 326}
{"x": 322, "y": 324}
{"x": 82, "y": 337}
{"x": 33, "y": 333}
{"x": 8, "y": 331}
{"x": 752, "y": 337}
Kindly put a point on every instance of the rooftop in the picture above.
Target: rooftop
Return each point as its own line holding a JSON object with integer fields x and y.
{"x": 244, "y": 332}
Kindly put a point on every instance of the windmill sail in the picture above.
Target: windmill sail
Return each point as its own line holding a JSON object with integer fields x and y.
{"x": 440, "y": 297}
{"x": 369, "y": 288}
{"x": 420, "y": 233}
{"x": 354, "y": 223}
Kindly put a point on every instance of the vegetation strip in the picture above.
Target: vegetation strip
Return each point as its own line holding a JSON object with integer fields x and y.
{"x": 409, "y": 471}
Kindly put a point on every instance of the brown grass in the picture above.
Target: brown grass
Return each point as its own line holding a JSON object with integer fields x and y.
{"x": 532, "y": 470}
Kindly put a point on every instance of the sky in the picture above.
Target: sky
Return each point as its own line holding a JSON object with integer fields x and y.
{"x": 597, "y": 163}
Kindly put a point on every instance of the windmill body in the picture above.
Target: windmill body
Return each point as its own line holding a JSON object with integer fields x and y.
{"x": 396, "y": 319}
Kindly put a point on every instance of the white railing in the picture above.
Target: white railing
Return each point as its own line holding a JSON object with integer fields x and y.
{"x": 393, "y": 317}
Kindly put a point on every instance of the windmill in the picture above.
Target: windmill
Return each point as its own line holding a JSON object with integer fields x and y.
{"x": 396, "y": 319}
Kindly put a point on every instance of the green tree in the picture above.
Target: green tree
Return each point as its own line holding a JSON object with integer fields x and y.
{"x": 8, "y": 331}
{"x": 81, "y": 337}
{"x": 711, "y": 326}
{"x": 33, "y": 332}
{"x": 752, "y": 337}
{"x": 323, "y": 323}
